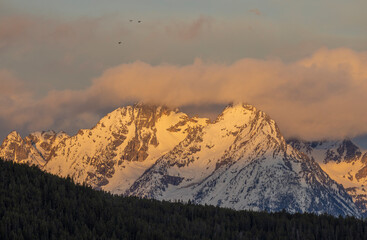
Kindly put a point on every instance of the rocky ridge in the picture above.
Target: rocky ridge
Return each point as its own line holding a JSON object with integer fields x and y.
{"x": 344, "y": 161}
{"x": 240, "y": 161}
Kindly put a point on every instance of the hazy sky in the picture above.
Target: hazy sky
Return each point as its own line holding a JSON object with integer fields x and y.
{"x": 302, "y": 62}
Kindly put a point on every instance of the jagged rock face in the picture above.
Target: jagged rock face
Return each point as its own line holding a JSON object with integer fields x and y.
{"x": 14, "y": 148}
{"x": 122, "y": 145}
{"x": 344, "y": 162}
{"x": 242, "y": 161}
{"x": 35, "y": 149}
{"x": 239, "y": 161}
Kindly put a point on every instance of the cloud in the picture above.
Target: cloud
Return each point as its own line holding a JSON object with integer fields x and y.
{"x": 256, "y": 11}
{"x": 13, "y": 28}
{"x": 191, "y": 30}
{"x": 13, "y": 94}
{"x": 50, "y": 53}
{"x": 321, "y": 96}
{"x": 34, "y": 34}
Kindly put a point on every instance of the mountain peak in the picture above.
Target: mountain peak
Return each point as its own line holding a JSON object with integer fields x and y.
{"x": 13, "y": 136}
{"x": 246, "y": 115}
{"x": 239, "y": 110}
{"x": 142, "y": 105}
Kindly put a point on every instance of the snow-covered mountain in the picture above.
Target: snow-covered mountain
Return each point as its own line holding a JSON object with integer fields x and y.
{"x": 239, "y": 161}
{"x": 344, "y": 161}
{"x": 111, "y": 155}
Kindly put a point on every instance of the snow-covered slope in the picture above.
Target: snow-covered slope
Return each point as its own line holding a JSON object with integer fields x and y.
{"x": 344, "y": 161}
{"x": 239, "y": 161}
{"x": 121, "y": 146}
{"x": 242, "y": 161}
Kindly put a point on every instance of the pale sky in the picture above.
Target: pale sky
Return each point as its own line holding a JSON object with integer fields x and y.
{"x": 54, "y": 55}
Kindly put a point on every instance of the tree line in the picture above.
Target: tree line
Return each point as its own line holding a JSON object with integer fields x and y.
{"x": 38, "y": 205}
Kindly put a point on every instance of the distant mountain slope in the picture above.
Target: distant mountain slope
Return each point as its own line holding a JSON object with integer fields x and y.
{"x": 344, "y": 161}
{"x": 114, "y": 153}
{"x": 242, "y": 161}
{"x": 239, "y": 161}
{"x": 35, "y": 149}
{"x": 38, "y": 205}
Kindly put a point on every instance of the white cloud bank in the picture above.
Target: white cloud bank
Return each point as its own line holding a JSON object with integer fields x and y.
{"x": 322, "y": 96}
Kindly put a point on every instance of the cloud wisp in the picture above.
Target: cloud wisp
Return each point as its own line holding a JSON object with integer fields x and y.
{"x": 191, "y": 30}
{"x": 321, "y": 96}
{"x": 256, "y": 11}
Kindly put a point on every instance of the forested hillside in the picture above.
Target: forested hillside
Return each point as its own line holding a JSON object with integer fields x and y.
{"x": 38, "y": 205}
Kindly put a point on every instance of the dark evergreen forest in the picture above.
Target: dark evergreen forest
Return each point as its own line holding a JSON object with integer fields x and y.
{"x": 38, "y": 205}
